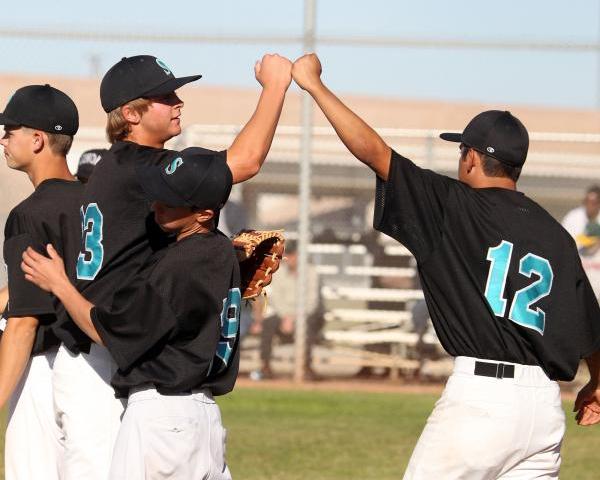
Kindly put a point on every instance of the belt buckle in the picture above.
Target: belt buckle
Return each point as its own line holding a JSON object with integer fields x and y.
{"x": 504, "y": 370}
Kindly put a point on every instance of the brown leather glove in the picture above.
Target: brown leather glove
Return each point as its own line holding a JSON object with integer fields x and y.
{"x": 259, "y": 253}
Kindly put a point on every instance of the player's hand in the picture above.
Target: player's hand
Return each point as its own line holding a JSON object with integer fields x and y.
{"x": 46, "y": 273}
{"x": 273, "y": 71}
{"x": 306, "y": 72}
{"x": 587, "y": 405}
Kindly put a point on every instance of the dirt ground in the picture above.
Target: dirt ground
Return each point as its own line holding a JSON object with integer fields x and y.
{"x": 375, "y": 386}
{"x": 384, "y": 386}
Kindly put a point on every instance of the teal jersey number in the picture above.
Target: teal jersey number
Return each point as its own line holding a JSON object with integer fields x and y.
{"x": 520, "y": 310}
{"x": 230, "y": 326}
{"x": 91, "y": 230}
{"x": 494, "y": 290}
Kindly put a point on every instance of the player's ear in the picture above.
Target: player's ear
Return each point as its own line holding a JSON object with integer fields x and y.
{"x": 38, "y": 140}
{"x": 204, "y": 216}
{"x": 472, "y": 159}
{"x": 130, "y": 114}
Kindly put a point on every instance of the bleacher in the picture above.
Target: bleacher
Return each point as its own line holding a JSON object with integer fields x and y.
{"x": 353, "y": 326}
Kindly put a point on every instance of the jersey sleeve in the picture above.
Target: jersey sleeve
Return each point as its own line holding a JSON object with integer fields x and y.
{"x": 409, "y": 206}
{"x": 24, "y": 298}
{"x": 139, "y": 320}
{"x": 199, "y": 151}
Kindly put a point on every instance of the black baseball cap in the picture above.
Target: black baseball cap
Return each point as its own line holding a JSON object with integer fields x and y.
{"x": 88, "y": 161}
{"x": 137, "y": 77}
{"x": 41, "y": 107}
{"x": 496, "y": 133}
{"x": 190, "y": 178}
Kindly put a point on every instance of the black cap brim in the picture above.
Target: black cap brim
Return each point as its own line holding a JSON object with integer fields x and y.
{"x": 171, "y": 85}
{"x": 451, "y": 137}
{"x": 4, "y": 120}
{"x": 157, "y": 189}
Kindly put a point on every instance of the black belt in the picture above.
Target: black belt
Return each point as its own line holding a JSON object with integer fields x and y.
{"x": 497, "y": 370}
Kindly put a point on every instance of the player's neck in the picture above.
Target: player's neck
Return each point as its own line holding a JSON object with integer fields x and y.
{"x": 51, "y": 167}
{"x": 192, "y": 229}
{"x": 141, "y": 137}
{"x": 493, "y": 182}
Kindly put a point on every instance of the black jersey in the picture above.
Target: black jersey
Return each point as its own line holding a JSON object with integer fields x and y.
{"x": 119, "y": 231}
{"x": 49, "y": 215}
{"x": 176, "y": 325}
{"x": 502, "y": 279}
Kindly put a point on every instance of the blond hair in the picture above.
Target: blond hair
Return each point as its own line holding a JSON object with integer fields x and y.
{"x": 117, "y": 127}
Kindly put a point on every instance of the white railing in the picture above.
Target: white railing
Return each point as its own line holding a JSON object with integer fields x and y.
{"x": 551, "y": 154}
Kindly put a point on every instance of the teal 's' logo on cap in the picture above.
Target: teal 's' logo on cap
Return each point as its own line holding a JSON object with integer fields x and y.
{"x": 174, "y": 165}
{"x": 164, "y": 66}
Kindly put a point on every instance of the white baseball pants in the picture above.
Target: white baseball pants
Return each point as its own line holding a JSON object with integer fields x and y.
{"x": 33, "y": 442}
{"x": 87, "y": 412}
{"x": 492, "y": 428}
{"x": 176, "y": 437}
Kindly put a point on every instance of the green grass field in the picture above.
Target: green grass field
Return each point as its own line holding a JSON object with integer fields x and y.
{"x": 289, "y": 435}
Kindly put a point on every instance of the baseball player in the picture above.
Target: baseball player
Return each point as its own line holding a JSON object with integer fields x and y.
{"x": 172, "y": 330}
{"x": 119, "y": 232}
{"x": 39, "y": 124}
{"x": 504, "y": 286}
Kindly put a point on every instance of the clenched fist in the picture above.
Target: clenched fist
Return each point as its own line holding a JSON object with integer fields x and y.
{"x": 273, "y": 71}
{"x": 306, "y": 71}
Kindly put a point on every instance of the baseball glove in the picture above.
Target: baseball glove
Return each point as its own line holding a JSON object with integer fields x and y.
{"x": 259, "y": 253}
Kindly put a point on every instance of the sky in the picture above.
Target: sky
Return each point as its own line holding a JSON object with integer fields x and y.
{"x": 546, "y": 78}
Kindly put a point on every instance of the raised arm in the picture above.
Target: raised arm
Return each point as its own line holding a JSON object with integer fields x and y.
{"x": 587, "y": 404}
{"x": 362, "y": 141}
{"x": 248, "y": 151}
{"x": 49, "y": 274}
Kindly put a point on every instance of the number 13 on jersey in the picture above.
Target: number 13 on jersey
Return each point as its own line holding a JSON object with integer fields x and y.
{"x": 90, "y": 258}
{"x": 520, "y": 310}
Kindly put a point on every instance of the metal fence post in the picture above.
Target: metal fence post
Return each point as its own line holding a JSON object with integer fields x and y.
{"x": 304, "y": 203}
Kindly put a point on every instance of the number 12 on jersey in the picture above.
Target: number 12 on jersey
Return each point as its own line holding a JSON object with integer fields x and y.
{"x": 520, "y": 310}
